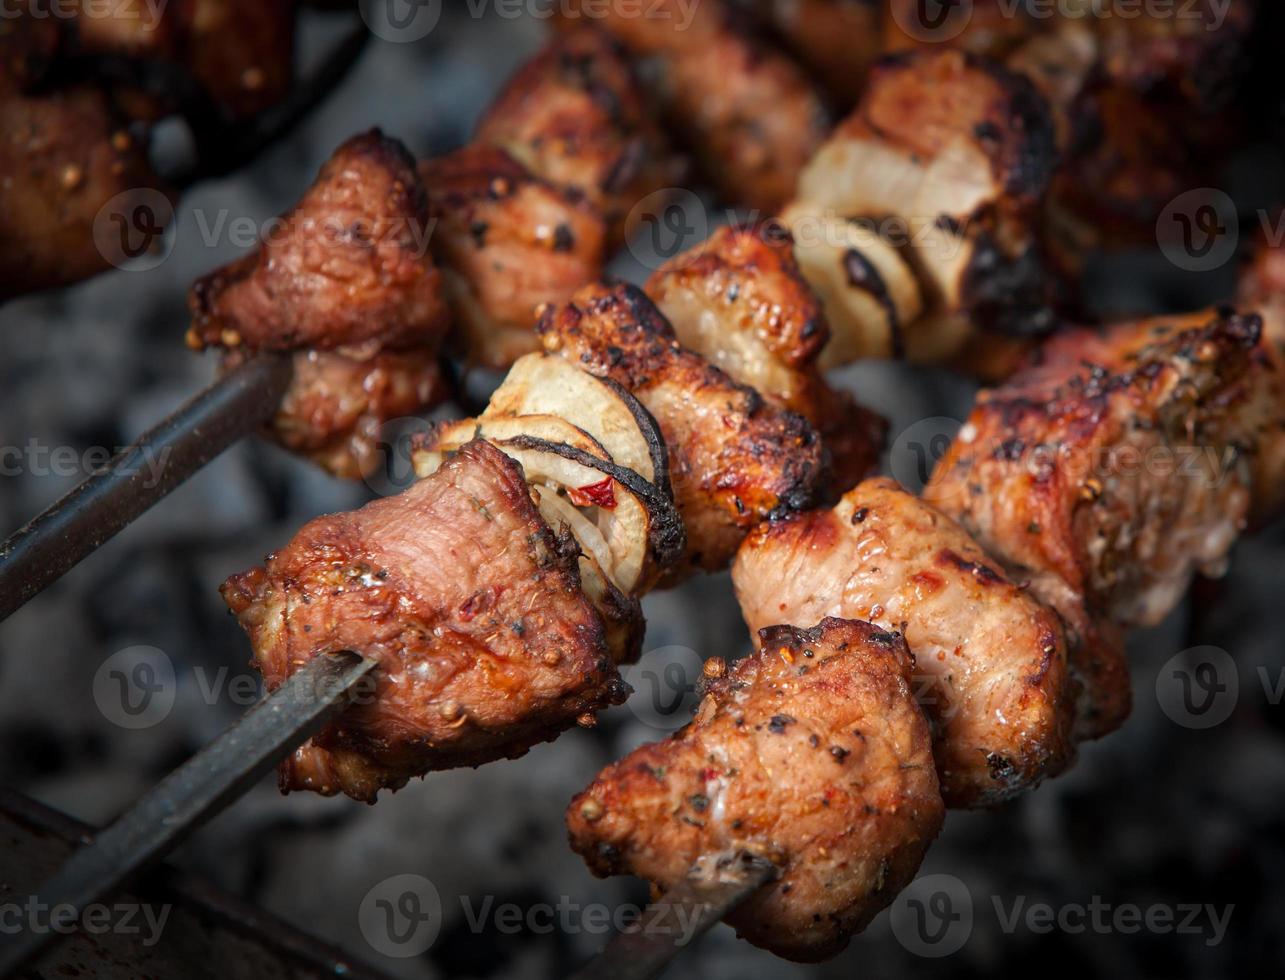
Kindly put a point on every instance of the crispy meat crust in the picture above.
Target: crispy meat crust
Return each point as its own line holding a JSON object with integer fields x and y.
{"x": 574, "y": 115}
{"x": 735, "y": 460}
{"x": 348, "y": 265}
{"x": 716, "y": 83}
{"x": 923, "y": 104}
{"x": 510, "y": 242}
{"x": 991, "y": 660}
{"x": 739, "y": 300}
{"x": 810, "y": 752}
{"x": 1107, "y": 473}
{"x": 470, "y": 603}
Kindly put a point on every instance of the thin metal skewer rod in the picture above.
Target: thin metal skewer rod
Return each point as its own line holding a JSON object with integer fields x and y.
{"x": 138, "y": 477}
{"x": 643, "y": 952}
{"x": 193, "y": 793}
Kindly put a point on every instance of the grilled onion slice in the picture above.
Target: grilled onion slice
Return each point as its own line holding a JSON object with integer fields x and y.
{"x": 641, "y": 531}
{"x": 546, "y": 384}
{"x": 621, "y": 614}
{"x": 866, "y": 287}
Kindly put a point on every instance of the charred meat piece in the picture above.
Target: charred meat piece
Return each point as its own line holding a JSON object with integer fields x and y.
{"x": 347, "y": 266}
{"x": 509, "y": 242}
{"x": 77, "y": 189}
{"x": 470, "y": 603}
{"x": 749, "y": 115}
{"x": 991, "y": 662}
{"x": 336, "y": 406}
{"x": 574, "y": 116}
{"x": 347, "y": 283}
{"x": 1108, "y": 472}
{"x": 735, "y": 459}
{"x": 955, "y": 153}
{"x": 811, "y": 753}
{"x": 740, "y": 301}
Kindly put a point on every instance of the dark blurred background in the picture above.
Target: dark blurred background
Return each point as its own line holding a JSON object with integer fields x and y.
{"x": 1161, "y": 813}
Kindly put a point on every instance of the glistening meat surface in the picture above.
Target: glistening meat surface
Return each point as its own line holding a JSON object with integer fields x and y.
{"x": 471, "y": 605}
{"x": 811, "y": 753}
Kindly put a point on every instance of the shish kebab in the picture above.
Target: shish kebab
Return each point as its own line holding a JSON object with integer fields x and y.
{"x": 355, "y": 766}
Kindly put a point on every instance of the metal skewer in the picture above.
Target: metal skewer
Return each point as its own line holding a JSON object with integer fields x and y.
{"x": 644, "y": 952}
{"x": 194, "y": 793}
{"x": 46, "y": 548}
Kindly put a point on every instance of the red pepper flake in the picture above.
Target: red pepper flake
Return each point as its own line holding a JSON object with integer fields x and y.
{"x": 470, "y": 607}
{"x": 594, "y": 495}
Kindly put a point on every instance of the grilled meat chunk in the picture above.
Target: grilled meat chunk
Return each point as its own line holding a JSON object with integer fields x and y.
{"x": 470, "y": 603}
{"x": 336, "y": 406}
{"x": 811, "y": 753}
{"x": 749, "y": 115}
{"x": 740, "y": 301}
{"x": 574, "y": 115}
{"x": 957, "y": 153}
{"x": 991, "y": 663}
{"x": 347, "y": 265}
{"x": 735, "y": 459}
{"x": 1108, "y": 472}
{"x": 65, "y": 156}
{"x": 347, "y": 283}
{"x": 509, "y": 242}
